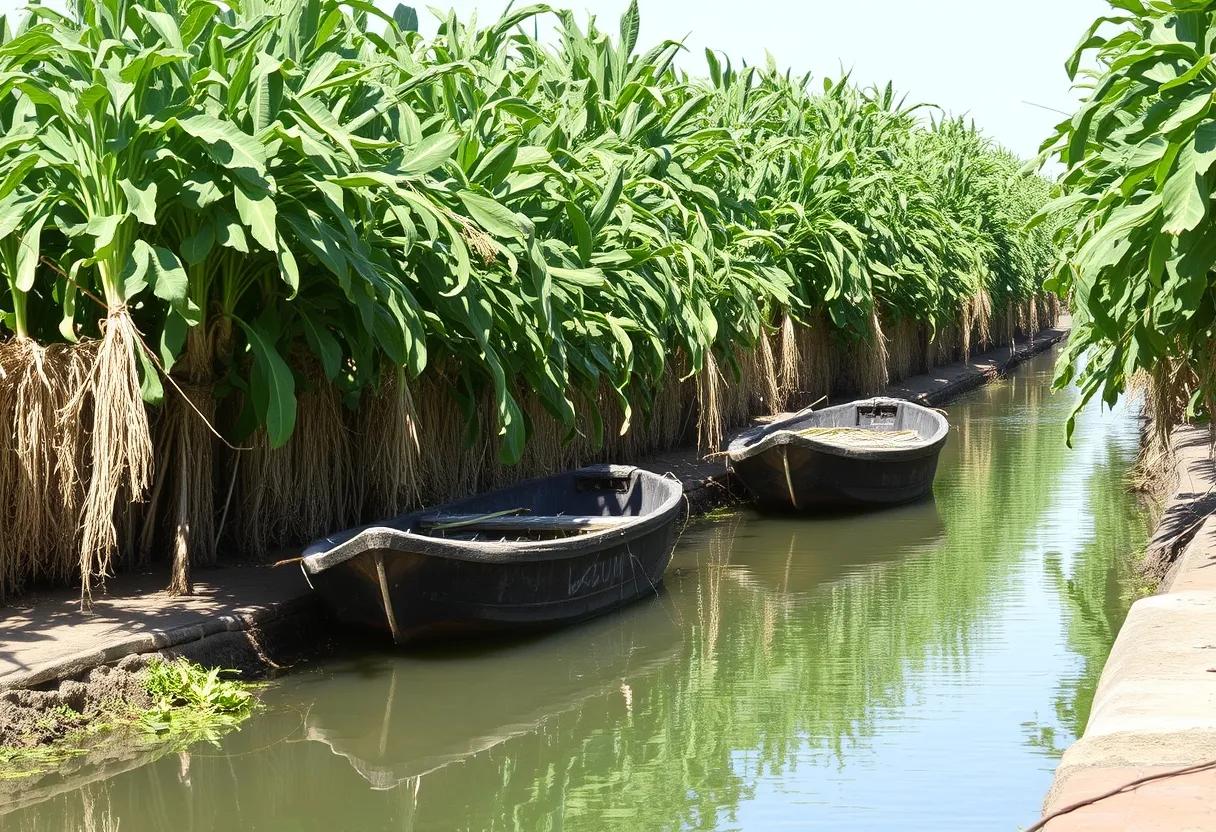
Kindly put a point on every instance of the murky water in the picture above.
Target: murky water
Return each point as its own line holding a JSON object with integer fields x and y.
{"x": 919, "y": 669}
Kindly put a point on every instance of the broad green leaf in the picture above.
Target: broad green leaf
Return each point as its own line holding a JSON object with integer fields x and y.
{"x": 429, "y": 154}
{"x": 28, "y": 255}
{"x": 493, "y": 217}
{"x": 141, "y": 202}
{"x": 259, "y": 213}
{"x": 225, "y": 142}
{"x": 276, "y": 388}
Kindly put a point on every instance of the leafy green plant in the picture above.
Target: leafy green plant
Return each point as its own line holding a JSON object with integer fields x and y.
{"x": 191, "y": 703}
{"x": 268, "y": 218}
{"x": 1136, "y": 218}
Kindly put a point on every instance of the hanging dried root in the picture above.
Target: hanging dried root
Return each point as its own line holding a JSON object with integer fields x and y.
{"x": 451, "y": 464}
{"x": 39, "y": 463}
{"x": 191, "y": 451}
{"x": 121, "y": 445}
{"x": 906, "y": 355}
{"x": 304, "y": 489}
{"x": 186, "y": 446}
{"x": 548, "y": 448}
{"x": 863, "y": 364}
{"x": 36, "y": 520}
{"x": 770, "y": 372}
{"x": 389, "y": 451}
{"x": 73, "y": 445}
{"x": 710, "y": 424}
{"x": 976, "y": 323}
{"x": 10, "y": 552}
{"x": 790, "y": 371}
{"x": 817, "y": 363}
{"x": 878, "y": 363}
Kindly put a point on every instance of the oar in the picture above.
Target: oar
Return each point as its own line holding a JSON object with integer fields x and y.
{"x": 481, "y": 518}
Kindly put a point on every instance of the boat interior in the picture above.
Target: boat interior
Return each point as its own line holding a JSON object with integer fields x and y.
{"x": 588, "y": 500}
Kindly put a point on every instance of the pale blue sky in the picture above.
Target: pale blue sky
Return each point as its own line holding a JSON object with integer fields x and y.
{"x": 981, "y": 58}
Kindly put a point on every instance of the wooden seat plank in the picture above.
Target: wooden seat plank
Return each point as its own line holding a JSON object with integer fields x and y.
{"x": 523, "y": 523}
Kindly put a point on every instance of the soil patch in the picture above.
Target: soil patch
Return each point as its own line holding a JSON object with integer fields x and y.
{"x": 33, "y": 718}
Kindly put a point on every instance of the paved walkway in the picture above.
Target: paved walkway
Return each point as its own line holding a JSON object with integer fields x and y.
{"x": 1155, "y": 708}
{"x": 47, "y": 638}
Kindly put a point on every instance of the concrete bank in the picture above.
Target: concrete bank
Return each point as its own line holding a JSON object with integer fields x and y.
{"x": 1155, "y": 708}
{"x": 261, "y": 618}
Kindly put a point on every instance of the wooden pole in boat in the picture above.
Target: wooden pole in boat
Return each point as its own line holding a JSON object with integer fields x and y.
{"x": 386, "y": 600}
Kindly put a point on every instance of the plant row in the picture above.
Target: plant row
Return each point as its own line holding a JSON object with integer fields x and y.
{"x": 213, "y": 215}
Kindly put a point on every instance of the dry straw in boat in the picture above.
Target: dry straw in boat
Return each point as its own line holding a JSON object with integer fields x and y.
{"x": 861, "y": 438}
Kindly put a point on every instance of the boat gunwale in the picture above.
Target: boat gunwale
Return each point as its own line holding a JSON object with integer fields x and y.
{"x": 391, "y": 539}
{"x": 763, "y": 438}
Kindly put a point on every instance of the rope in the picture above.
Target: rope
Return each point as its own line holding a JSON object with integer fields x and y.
{"x": 1126, "y": 787}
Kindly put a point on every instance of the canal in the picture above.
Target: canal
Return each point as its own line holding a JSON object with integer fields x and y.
{"x": 919, "y": 669}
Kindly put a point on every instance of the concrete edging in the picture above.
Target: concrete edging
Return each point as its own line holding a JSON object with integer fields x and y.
{"x": 189, "y": 640}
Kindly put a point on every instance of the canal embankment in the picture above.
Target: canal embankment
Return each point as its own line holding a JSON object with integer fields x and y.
{"x": 1142, "y": 763}
{"x": 260, "y": 618}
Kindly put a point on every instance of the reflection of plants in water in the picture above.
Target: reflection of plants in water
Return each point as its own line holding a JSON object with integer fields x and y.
{"x": 791, "y": 638}
{"x": 1094, "y": 587}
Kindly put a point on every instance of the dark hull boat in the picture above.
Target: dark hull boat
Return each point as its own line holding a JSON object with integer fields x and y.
{"x": 541, "y": 553}
{"x": 868, "y": 453}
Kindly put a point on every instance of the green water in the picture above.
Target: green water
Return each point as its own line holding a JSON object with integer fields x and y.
{"x": 918, "y": 669}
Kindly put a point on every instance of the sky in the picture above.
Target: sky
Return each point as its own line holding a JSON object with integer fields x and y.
{"x": 979, "y": 58}
{"x": 998, "y": 63}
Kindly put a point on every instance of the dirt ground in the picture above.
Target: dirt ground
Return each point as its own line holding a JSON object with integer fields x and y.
{"x": 30, "y": 718}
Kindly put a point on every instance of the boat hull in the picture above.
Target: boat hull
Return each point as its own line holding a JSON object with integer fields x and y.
{"x": 820, "y": 481}
{"x": 438, "y": 597}
{"x": 398, "y": 578}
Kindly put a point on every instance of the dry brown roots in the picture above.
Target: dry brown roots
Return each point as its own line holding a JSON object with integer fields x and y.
{"x": 807, "y": 361}
{"x": 789, "y": 374}
{"x": 41, "y": 459}
{"x": 863, "y": 362}
{"x": 765, "y": 376}
{"x": 389, "y": 453}
{"x": 975, "y": 323}
{"x": 946, "y": 347}
{"x": 121, "y": 445}
{"x": 664, "y": 424}
{"x": 710, "y": 422}
{"x": 182, "y": 509}
{"x": 907, "y": 348}
{"x": 9, "y": 567}
{"x": 451, "y": 465}
{"x": 305, "y": 489}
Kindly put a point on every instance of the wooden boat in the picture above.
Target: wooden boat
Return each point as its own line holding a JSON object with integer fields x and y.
{"x": 868, "y": 453}
{"x": 541, "y": 553}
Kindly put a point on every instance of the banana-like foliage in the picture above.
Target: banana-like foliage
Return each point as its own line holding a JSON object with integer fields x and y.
{"x": 1136, "y": 219}
{"x": 549, "y": 219}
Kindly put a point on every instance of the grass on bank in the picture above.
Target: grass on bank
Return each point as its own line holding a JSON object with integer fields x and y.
{"x": 189, "y": 704}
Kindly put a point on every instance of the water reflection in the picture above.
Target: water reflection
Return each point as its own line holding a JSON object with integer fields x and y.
{"x": 918, "y": 669}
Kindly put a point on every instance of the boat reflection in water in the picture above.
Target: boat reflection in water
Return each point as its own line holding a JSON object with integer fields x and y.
{"x": 452, "y": 707}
